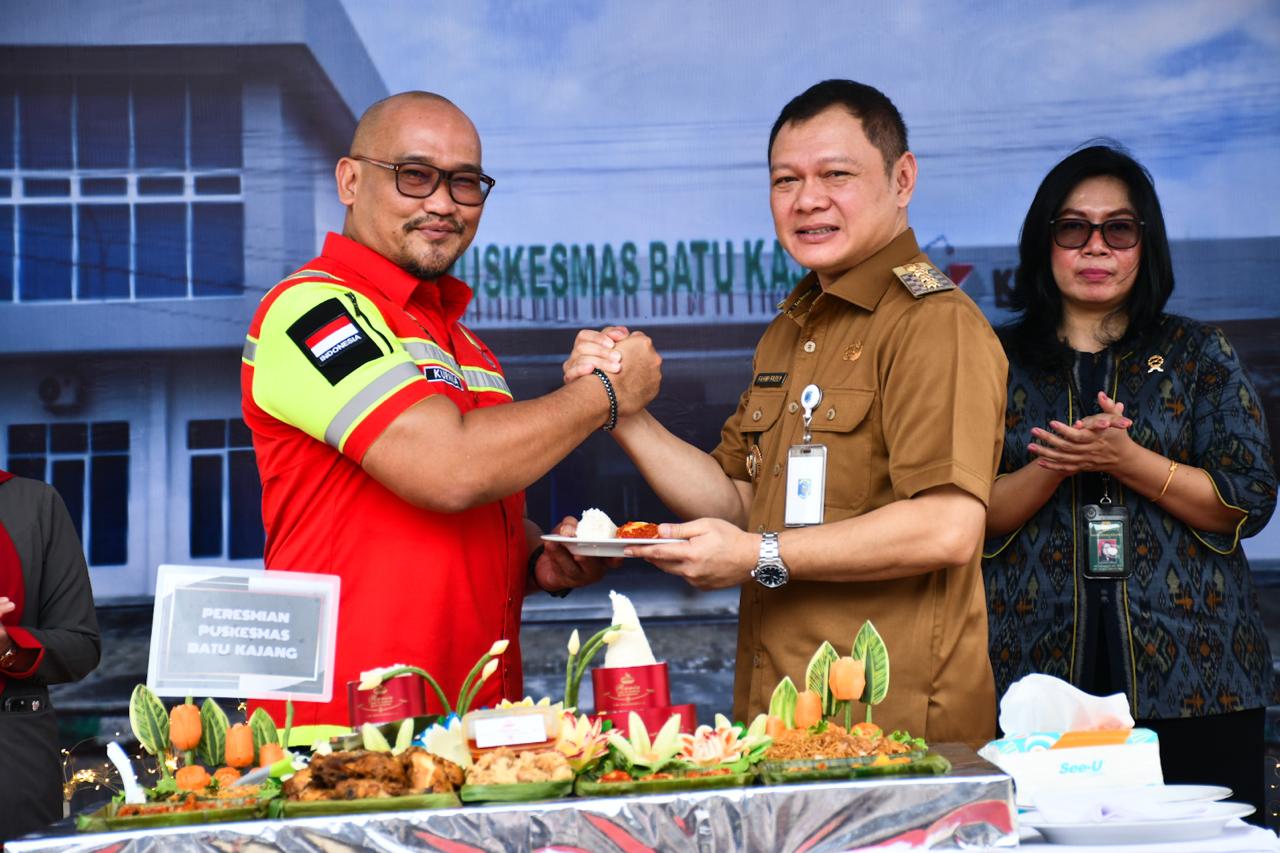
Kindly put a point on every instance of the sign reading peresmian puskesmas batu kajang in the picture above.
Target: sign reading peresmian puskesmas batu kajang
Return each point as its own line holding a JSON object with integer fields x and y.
{"x": 236, "y": 633}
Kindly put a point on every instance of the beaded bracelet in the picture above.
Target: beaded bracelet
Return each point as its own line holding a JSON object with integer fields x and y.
{"x": 613, "y": 400}
{"x": 1173, "y": 466}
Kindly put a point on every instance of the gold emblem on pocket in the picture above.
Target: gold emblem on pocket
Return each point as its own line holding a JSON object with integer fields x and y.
{"x": 853, "y": 352}
{"x": 755, "y": 459}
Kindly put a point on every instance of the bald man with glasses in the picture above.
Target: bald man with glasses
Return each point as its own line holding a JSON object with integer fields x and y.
{"x": 390, "y": 449}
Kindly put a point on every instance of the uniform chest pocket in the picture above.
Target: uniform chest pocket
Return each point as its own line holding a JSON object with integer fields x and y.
{"x": 759, "y": 421}
{"x": 840, "y": 422}
{"x": 764, "y": 405}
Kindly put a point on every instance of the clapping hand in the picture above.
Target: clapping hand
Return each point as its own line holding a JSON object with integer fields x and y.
{"x": 1095, "y": 443}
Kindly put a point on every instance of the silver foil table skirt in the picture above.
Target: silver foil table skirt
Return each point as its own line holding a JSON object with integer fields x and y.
{"x": 972, "y": 807}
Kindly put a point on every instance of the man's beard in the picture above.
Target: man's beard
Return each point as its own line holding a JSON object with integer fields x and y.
{"x": 428, "y": 268}
{"x": 437, "y": 261}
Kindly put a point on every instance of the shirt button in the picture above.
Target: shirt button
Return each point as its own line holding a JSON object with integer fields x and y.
{"x": 776, "y": 469}
{"x": 757, "y": 415}
{"x": 756, "y": 661}
{"x": 831, "y": 413}
{"x": 794, "y": 407}
{"x": 810, "y": 346}
{"x": 759, "y": 528}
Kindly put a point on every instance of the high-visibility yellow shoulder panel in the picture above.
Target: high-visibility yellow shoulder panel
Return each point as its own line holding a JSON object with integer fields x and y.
{"x": 325, "y": 358}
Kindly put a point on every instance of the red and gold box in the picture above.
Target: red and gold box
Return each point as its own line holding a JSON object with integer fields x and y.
{"x": 620, "y": 690}
{"x": 394, "y": 699}
{"x": 653, "y": 718}
{"x": 629, "y": 688}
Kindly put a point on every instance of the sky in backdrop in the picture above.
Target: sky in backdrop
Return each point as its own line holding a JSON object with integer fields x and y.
{"x": 605, "y": 121}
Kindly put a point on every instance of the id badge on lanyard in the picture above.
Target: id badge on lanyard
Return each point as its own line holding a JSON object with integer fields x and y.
{"x": 806, "y": 470}
{"x": 1107, "y": 544}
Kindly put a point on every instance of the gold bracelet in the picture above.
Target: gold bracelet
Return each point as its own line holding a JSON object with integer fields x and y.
{"x": 1173, "y": 466}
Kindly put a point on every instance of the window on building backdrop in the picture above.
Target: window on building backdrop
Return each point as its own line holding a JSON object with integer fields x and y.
{"x": 88, "y": 463}
{"x": 122, "y": 187}
{"x": 226, "y": 495}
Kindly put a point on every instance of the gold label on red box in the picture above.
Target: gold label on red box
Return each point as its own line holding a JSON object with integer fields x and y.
{"x": 395, "y": 699}
{"x": 380, "y": 701}
{"x": 621, "y": 688}
{"x": 628, "y": 693}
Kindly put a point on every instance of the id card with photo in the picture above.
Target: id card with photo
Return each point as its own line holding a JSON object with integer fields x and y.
{"x": 1107, "y": 542}
{"x": 806, "y": 484}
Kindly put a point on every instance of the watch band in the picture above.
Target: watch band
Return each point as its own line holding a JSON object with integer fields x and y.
{"x": 770, "y": 572}
{"x": 769, "y": 552}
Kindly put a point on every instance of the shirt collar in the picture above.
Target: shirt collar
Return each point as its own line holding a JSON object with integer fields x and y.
{"x": 865, "y": 284}
{"x": 446, "y": 294}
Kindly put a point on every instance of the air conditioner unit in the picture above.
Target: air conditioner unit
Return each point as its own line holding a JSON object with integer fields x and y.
{"x": 61, "y": 392}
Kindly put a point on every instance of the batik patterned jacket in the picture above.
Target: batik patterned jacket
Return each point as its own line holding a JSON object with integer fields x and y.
{"x": 1193, "y": 637}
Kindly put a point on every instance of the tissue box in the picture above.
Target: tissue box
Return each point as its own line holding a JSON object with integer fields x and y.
{"x": 1055, "y": 761}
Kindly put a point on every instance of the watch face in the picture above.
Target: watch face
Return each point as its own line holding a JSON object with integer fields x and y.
{"x": 771, "y": 575}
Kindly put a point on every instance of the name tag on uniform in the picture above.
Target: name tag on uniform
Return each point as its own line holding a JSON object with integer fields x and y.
{"x": 806, "y": 484}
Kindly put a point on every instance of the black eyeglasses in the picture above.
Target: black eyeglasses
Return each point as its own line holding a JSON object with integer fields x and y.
{"x": 1074, "y": 233}
{"x": 419, "y": 180}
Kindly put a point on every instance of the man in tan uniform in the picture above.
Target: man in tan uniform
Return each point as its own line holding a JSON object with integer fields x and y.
{"x": 912, "y": 383}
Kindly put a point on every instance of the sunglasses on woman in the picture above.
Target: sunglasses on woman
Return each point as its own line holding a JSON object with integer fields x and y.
{"x": 1073, "y": 233}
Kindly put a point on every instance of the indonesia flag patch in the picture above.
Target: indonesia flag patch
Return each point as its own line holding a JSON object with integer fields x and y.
{"x": 333, "y": 338}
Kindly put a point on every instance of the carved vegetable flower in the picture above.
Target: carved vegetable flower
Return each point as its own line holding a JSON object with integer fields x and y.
{"x": 447, "y": 740}
{"x": 642, "y": 753}
{"x": 724, "y": 744}
{"x": 581, "y": 741}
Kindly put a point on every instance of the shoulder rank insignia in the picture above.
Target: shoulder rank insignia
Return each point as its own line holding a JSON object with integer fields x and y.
{"x": 923, "y": 278}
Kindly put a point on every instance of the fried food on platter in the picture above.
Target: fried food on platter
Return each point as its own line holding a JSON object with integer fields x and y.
{"x": 429, "y": 772}
{"x": 363, "y": 774}
{"x": 329, "y": 770}
{"x": 507, "y": 767}
{"x": 638, "y": 530}
{"x": 834, "y": 742}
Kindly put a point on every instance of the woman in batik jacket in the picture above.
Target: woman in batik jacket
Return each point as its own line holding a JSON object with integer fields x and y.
{"x": 1116, "y": 407}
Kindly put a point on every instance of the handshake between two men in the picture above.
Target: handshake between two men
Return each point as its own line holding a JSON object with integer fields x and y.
{"x": 687, "y": 480}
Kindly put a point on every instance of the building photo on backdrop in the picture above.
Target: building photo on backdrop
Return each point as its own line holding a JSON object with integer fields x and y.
{"x": 163, "y": 164}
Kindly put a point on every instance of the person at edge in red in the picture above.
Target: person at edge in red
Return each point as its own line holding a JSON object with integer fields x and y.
{"x": 390, "y": 449}
{"x": 48, "y": 635}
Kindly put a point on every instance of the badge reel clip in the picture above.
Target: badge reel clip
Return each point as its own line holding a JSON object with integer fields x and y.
{"x": 806, "y": 470}
{"x": 1107, "y": 537}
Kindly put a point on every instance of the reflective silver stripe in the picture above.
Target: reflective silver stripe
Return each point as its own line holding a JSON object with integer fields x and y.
{"x": 250, "y": 351}
{"x": 483, "y": 380}
{"x": 311, "y": 274}
{"x": 477, "y": 379}
{"x": 366, "y": 397}
{"x": 427, "y": 351}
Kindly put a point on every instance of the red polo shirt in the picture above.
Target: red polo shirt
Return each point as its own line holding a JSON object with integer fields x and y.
{"x": 335, "y": 353}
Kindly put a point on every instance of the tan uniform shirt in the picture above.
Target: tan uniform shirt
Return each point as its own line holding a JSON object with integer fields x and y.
{"x": 912, "y": 398}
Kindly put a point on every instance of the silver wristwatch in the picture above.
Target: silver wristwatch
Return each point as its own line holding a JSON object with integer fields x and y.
{"x": 770, "y": 572}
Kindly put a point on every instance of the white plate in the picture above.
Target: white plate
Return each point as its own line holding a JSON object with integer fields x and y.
{"x": 1205, "y": 825}
{"x": 602, "y": 547}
